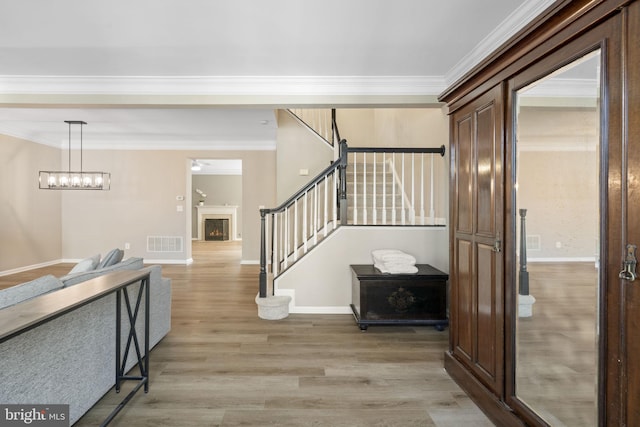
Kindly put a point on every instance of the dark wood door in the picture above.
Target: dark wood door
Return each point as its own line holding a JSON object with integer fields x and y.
{"x": 477, "y": 322}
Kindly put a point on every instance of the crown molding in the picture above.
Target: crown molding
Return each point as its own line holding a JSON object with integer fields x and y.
{"x": 179, "y": 145}
{"x": 520, "y": 17}
{"x": 224, "y": 85}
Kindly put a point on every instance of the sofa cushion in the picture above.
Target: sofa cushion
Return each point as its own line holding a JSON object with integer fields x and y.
{"x": 86, "y": 264}
{"x": 128, "y": 264}
{"x": 28, "y": 290}
{"x": 113, "y": 257}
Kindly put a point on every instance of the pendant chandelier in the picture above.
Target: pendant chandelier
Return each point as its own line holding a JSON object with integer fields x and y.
{"x": 74, "y": 180}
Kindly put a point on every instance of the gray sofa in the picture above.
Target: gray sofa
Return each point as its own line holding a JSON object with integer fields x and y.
{"x": 71, "y": 359}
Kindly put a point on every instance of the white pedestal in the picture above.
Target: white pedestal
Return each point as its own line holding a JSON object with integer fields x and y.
{"x": 273, "y": 307}
{"x": 525, "y": 305}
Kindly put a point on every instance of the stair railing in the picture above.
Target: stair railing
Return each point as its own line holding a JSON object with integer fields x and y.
{"x": 344, "y": 194}
{"x": 320, "y": 120}
{"x": 303, "y": 220}
{"x": 393, "y": 186}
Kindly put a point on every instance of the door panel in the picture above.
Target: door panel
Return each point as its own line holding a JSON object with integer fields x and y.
{"x": 476, "y": 280}
{"x": 464, "y": 304}
{"x": 486, "y": 316}
{"x": 485, "y": 167}
{"x": 464, "y": 175}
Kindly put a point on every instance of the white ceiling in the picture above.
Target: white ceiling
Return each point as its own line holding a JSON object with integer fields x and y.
{"x": 241, "y": 48}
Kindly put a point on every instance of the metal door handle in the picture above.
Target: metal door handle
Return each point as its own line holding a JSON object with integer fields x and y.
{"x": 629, "y": 265}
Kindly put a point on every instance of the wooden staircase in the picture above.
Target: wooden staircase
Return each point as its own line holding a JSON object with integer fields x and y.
{"x": 363, "y": 186}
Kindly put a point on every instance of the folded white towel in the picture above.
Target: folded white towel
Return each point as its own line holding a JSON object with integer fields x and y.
{"x": 405, "y": 269}
{"x": 396, "y": 269}
{"x": 381, "y": 267}
{"x": 383, "y": 256}
{"x": 397, "y": 265}
{"x": 398, "y": 259}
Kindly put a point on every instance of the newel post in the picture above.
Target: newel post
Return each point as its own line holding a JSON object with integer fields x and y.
{"x": 343, "y": 182}
{"x": 263, "y": 255}
{"x": 525, "y": 300}
{"x": 523, "y": 273}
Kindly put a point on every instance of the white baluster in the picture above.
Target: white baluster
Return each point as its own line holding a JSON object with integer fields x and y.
{"x": 276, "y": 260}
{"x": 374, "y": 192}
{"x": 325, "y": 220}
{"x": 364, "y": 188}
{"x": 403, "y": 191}
{"x": 355, "y": 188}
{"x": 432, "y": 212}
{"x": 295, "y": 230}
{"x": 305, "y": 233}
{"x": 384, "y": 188}
{"x": 316, "y": 213}
{"x": 422, "y": 188}
{"x": 286, "y": 238}
{"x": 393, "y": 189}
{"x": 412, "y": 211}
{"x": 335, "y": 197}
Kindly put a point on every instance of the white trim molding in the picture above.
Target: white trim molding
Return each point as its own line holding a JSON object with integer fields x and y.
{"x": 503, "y": 32}
{"x": 223, "y": 85}
{"x": 31, "y": 267}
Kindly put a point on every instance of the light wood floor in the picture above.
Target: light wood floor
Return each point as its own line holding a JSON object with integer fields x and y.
{"x": 557, "y": 346}
{"x": 223, "y": 366}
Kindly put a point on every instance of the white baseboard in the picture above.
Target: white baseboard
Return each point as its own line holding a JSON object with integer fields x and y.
{"x": 566, "y": 259}
{"x": 249, "y": 262}
{"x": 31, "y": 267}
{"x": 188, "y": 261}
{"x": 321, "y": 310}
{"x": 310, "y": 309}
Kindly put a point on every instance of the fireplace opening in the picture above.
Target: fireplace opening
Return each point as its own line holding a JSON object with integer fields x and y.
{"x": 216, "y": 229}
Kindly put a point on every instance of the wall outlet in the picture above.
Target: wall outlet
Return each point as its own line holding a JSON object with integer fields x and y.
{"x": 558, "y": 245}
{"x": 179, "y": 208}
{"x": 304, "y": 172}
{"x": 127, "y": 245}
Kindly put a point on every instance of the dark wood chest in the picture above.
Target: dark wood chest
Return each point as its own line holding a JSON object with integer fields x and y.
{"x": 386, "y": 299}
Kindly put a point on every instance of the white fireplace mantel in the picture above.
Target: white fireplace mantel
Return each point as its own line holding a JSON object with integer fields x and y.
{"x": 214, "y": 212}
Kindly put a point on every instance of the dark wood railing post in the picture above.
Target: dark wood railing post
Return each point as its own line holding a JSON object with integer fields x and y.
{"x": 523, "y": 273}
{"x": 335, "y": 133}
{"x": 263, "y": 255}
{"x": 343, "y": 182}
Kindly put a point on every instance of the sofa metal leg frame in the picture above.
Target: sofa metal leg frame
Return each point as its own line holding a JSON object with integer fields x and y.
{"x": 142, "y": 357}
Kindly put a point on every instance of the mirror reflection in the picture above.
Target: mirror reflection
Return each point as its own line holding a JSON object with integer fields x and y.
{"x": 557, "y": 197}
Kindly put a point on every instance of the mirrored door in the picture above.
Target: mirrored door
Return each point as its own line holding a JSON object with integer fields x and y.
{"x": 558, "y": 233}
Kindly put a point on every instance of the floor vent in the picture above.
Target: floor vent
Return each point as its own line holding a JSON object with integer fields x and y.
{"x": 165, "y": 244}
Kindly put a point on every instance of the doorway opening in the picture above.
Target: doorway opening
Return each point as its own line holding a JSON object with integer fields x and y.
{"x": 216, "y": 186}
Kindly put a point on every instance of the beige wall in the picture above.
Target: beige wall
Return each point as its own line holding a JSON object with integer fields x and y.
{"x": 298, "y": 148}
{"x": 142, "y": 202}
{"x": 220, "y": 190}
{"x": 30, "y": 225}
{"x": 403, "y": 127}
{"x": 394, "y": 127}
{"x": 321, "y": 281}
{"x": 557, "y": 168}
